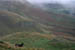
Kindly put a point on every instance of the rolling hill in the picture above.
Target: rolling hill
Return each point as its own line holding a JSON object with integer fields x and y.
{"x": 21, "y": 22}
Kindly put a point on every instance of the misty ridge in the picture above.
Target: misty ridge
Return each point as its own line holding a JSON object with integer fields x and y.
{"x": 65, "y": 6}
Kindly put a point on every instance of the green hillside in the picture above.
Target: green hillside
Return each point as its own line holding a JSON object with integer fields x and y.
{"x": 13, "y": 19}
{"x": 37, "y": 29}
{"x": 36, "y": 40}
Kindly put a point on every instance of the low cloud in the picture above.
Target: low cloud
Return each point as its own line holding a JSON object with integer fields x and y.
{"x": 42, "y": 1}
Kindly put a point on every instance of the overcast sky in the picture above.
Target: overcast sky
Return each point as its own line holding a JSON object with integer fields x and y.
{"x": 41, "y": 1}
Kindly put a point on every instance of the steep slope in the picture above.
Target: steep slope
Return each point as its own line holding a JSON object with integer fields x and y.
{"x": 11, "y": 19}
{"x": 56, "y": 22}
{"x": 20, "y": 22}
{"x": 10, "y": 22}
{"x": 60, "y": 21}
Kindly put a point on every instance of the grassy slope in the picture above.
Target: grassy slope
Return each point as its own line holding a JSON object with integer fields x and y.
{"x": 38, "y": 40}
{"x": 64, "y": 23}
{"x": 33, "y": 20}
{"x": 10, "y": 21}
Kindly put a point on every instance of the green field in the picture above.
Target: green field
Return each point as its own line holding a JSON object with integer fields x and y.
{"x": 36, "y": 41}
